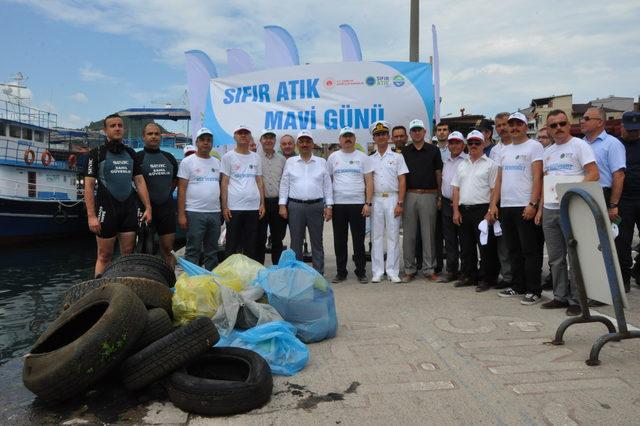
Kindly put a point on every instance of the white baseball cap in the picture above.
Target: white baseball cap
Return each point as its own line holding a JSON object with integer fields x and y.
{"x": 416, "y": 124}
{"x": 266, "y": 132}
{"x": 346, "y": 130}
{"x": 189, "y": 148}
{"x": 434, "y": 139}
{"x": 474, "y": 135}
{"x": 241, "y": 127}
{"x": 518, "y": 116}
{"x": 203, "y": 131}
{"x": 457, "y": 136}
{"x": 304, "y": 133}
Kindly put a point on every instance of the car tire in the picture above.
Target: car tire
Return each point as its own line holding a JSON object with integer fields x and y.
{"x": 221, "y": 381}
{"x": 153, "y": 294}
{"x": 143, "y": 266}
{"x": 85, "y": 343}
{"x": 158, "y": 325}
{"x": 169, "y": 353}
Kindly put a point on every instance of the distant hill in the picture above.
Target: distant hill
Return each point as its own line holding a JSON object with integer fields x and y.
{"x": 131, "y": 127}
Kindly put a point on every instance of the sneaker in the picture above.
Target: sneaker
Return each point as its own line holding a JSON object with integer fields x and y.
{"x": 574, "y": 310}
{"x": 376, "y": 279}
{"x": 554, "y": 304}
{"x": 338, "y": 279}
{"x": 530, "y": 299}
{"x": 408, "y": 278}
{"x": 395, "y": 279}
{"x": 508, "y": 292}
{"x": 363, "y": 279}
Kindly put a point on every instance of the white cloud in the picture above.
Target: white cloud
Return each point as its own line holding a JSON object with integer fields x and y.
{"x": 79, "y": 97}
{"x": 75, "y": 121}
{"x": 89, "y": 73}
{"x": 494, "y": 56}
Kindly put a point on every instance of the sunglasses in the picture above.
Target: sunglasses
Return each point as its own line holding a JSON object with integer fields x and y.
{"x": 474, "y": 143}
{"x": 560, "y": 124}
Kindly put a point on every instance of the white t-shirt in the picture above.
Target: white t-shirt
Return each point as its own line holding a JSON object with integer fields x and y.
{"x": 517, "y": 179}
{"x": 242, "y": 169}
{"x": 203, "y": 187}
{"x": 347, "y": 172}
{"x": 567, "y": 159}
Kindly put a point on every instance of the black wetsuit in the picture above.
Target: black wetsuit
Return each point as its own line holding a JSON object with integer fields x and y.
{"x": 160, "y": 170}
{"x": 113, "y": 165}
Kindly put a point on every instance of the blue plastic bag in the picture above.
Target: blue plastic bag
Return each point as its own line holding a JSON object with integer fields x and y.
{"x": 275, "y": 342}
{"x": 302, "y": 296}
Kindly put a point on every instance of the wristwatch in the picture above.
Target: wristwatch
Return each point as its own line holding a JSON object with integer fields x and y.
{"x": 369, "y": 204}
{"x": 400, "y": 203}
{"x": 534, "y": 205}
{"x": 612, "y": 205}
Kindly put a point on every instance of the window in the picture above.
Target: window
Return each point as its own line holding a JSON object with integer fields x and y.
{"x": 31, "y": 180}
{"x": 14, "y": 132}
{"x": 3, "y": 129}
{"x": 27, "y": 134}
{"x": 38, "y": 136}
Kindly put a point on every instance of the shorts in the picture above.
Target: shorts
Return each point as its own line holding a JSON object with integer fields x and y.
{"x": 117, "y": 216}
{"x": 163, "y": 217}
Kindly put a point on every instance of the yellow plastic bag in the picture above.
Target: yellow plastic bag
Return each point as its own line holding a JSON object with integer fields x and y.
{"x": 237, "y": 271}
{"x": 195, "y": 296}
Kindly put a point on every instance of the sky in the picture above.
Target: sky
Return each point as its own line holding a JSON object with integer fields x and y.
{"x": 87, "y": 59}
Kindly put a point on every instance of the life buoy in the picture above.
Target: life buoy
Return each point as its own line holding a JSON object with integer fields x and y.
{"x": 29, "y": 156}
{"x": 71, "y": 161}
{"x": 46, "y": 158}
{"x": 60, "y": 217}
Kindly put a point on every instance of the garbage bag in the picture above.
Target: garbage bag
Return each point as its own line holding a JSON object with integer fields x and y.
{"x": 237, "y": 271}
{"x": 195, "y": 296}
{"x": 275, "y": 342}
{"x": 234, "y": 305}
{"x": 302, "y": 296}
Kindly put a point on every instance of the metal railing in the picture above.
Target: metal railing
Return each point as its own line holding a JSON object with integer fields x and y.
{"x": 28, "y": 115}
{"x": 15, "y": 189}
{"x": 14, "y": 153}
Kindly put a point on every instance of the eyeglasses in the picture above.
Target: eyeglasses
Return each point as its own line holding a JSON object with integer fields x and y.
{"x": 472, "y": 143}
{"x": 587, "y": 118}
{"x": 559, "y": 124}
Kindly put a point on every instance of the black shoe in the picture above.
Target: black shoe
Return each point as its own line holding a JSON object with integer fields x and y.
{"x": 362, "y": 279}
{"x": 503, "y": 284}
{"x": 482, "y": 287}
{"x": 465, "y": 283}
{"x": 555, "y": 304}
{"x": 448, "y": 277}
{"x": 574, "y": 310}
{"x": 338, "y": 279}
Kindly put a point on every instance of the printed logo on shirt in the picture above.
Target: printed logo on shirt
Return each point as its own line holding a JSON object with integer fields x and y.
{"x": 566, "y": 155}
{"x": 559, "y": 166}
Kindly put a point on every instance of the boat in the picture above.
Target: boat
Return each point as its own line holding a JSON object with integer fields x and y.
{"x": 40, "y": 190}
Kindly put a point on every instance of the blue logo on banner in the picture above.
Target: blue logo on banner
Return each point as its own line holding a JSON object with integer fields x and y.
{"x": 398, "y": 81}
{"x": 370, "y": 81}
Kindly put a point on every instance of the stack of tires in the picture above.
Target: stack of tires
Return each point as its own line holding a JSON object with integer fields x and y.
{"x": 122, "y": 323}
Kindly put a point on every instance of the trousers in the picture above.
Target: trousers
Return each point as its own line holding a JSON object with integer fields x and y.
{"x": 385, "y": 230}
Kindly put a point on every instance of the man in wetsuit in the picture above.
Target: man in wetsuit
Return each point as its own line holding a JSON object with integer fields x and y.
{"x": 160, "y": 170}
{"x": 113, "y": 210}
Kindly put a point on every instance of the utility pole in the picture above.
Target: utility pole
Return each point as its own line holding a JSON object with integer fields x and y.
{"x": 414, "y": 32}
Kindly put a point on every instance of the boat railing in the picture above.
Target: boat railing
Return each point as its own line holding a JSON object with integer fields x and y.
{"x": 16, "y": 111}
{"x": 15, "y": 189}
{"x": 18, "y": 153}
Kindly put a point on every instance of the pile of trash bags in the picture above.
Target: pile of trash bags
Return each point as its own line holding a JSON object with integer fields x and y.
{"x": 270, "y": 310}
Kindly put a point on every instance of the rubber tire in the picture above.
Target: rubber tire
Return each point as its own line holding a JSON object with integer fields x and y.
{"x": 85, "y": 343}
{"x": 169, "y": 353}
{"x": 228, "y": 392}
{"x": 153, "y": 294}
{"x": 158, "y": 325}
{"x": 143, "y": 266}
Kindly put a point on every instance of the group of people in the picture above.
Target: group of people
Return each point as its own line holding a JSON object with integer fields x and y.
{"x": 451, "y": 199}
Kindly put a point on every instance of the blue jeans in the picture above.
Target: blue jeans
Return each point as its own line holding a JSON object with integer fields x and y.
{"x": 203, "y": 231}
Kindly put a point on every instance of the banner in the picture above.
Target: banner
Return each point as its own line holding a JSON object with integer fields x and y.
{"x": 322, "y": 98}
{"x": 200, "y": 70}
